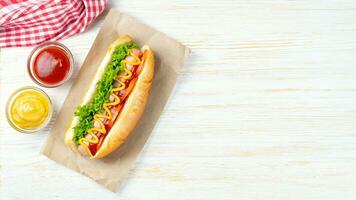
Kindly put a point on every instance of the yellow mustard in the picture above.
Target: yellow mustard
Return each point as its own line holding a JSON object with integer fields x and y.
{"x": 29, "y": 109}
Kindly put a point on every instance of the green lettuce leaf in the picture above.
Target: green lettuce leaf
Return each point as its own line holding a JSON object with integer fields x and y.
{"x": 102, "y": 92}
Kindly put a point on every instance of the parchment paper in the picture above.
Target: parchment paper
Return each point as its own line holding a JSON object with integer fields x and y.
{"x": 169, "y": 55}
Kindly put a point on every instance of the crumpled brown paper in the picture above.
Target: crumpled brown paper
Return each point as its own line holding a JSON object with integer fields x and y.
{"x": 170, "y": 56}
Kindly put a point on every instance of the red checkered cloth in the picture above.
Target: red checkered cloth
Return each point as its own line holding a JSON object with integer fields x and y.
{"x": 30, "y": 22}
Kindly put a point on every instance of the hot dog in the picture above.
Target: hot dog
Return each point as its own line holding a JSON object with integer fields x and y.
{"x": 114, "y": 101}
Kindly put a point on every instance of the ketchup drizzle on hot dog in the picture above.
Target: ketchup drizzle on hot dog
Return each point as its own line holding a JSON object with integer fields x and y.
{"x": 109, "y": 123}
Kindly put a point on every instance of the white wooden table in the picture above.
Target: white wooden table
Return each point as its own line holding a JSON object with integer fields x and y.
{"x": 264, "y": 109}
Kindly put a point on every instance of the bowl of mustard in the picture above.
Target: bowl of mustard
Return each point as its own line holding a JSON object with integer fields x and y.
{"x": 28, "y": 109}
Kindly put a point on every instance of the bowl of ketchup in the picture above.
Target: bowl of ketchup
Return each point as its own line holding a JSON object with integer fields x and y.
{"x": 50, "y": 64}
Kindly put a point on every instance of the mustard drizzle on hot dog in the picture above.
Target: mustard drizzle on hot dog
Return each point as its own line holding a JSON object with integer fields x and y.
{"x": 106, "y": 106}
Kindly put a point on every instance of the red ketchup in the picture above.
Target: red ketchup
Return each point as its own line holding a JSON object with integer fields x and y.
{"x": 50, "y": 64}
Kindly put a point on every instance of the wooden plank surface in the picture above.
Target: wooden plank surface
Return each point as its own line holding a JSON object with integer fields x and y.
{"x": 264, "y": 109}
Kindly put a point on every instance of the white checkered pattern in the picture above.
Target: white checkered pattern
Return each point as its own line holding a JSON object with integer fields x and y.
{"x": 30, "y": 22}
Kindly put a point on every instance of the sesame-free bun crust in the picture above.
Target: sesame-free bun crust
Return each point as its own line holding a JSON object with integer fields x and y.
{"x": 132, "y": 109}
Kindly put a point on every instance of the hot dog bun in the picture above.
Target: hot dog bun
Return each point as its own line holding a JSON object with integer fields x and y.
{"x": 132, "y": 109}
